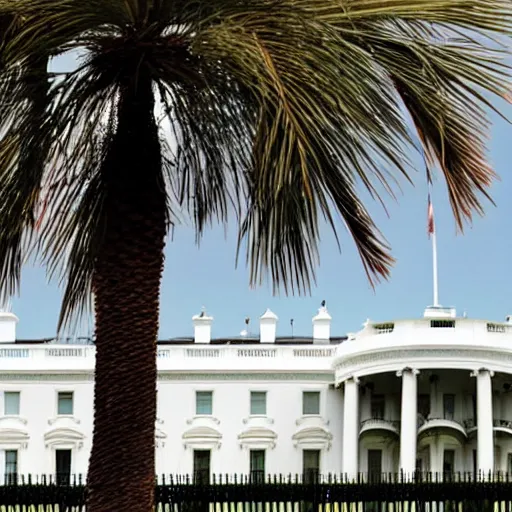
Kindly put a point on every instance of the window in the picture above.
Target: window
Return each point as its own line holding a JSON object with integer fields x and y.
{"x": 374, "y": 465}
{"x": 257, "y": 468}
{"x": 424, "y": 405}
{"x": 311, "y": 466}
{"x": 202, "y": 467}
{"x": 204, "y": 400}
{"x": 259, "y": 402}
{"x": 384, "y": 328}
{"x": 11, "y": 466}
{"x": 11, "y": 403}
{"x": 442, "y": 324}
{"x": 65, "y": 403}
{"x": 63, "y": 466}
{"x": 449, "y": 407}
{"x": 448, "y": 463}
{"x": 311, "y": 402}
{"x": 378, "y": 405}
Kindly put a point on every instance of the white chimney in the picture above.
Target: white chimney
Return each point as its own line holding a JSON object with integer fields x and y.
{"x": 8, "y": 323}
{"x": 268, "y": 323}
{"x": 322, "y": 326}
{"x": 202, "y": 327}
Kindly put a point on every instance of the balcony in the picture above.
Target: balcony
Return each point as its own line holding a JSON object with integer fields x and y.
{"x": 447, "y": 426}
{"x": 502, "y": 428}
{"x": 470, "y": 426}
{"x": 379, "y": 426}
{"x": 179, "y": 358}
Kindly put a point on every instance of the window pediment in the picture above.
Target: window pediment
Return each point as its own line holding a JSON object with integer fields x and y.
{"x": 316, "y": 438}
{"x": 258, "y": 438}
{"x": 64, "y": 436}
{"x": 14, "y": 437}
{"x": 202, "y": 437}
{"x": 160, "y": 437}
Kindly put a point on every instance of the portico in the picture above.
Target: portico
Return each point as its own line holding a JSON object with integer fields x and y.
{"x": 431, "y": 420}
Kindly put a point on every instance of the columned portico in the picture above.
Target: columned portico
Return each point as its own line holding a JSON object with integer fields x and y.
{"x": 351, "y": 428}
{"x": 485, "y": 431}
{"x": 409, "y": 421}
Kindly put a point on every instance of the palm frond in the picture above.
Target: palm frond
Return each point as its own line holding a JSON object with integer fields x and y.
{"x": 279, "y": 111}
{"x": 22, "y": 155}
{"x": 313, "y": 138}
{"x": 442, "y": 85}
{"x": 480, "y": 15}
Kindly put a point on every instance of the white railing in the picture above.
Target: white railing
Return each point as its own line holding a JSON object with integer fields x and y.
{"x": 313, "y": 352}
{"x": 202, "y": 352}
{"x": 501, "y": 328}
{"x": 64, "y": 352}
{"x": 385, "y": 328}
{"x": 256, "y": 352}
{"x": 62, "y": 357}
{"x": 15, "y": 352}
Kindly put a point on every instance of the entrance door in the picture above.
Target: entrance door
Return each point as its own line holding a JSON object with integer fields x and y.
{"x": 63, "y": 466}
{"x": 311, "y": 466}
{"x": 448, "y": 464}
{"x": 424, "y": 405}
{"x": 257, "y": 466}
{"x": 449, "y": 406}
{"x": 202, "y": 467}
{"x": 374, "y": 465}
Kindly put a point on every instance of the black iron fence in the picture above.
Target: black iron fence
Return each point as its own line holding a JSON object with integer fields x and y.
{"x": 423, "y": 492}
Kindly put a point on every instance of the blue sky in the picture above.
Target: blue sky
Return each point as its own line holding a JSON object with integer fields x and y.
{"x": 474, "y": 269}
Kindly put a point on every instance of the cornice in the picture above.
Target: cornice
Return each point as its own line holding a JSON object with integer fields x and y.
{"x": 395, "y": 359}
{"x": 173, "y": 376}
{"x": 295, "y": 375}
{"x": 47, "y": 376}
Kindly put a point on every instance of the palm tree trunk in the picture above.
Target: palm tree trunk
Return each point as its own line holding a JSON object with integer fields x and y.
{"x": 127, "y": 287}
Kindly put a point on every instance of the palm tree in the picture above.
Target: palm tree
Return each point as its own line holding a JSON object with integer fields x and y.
{"x": 277, "y": 112}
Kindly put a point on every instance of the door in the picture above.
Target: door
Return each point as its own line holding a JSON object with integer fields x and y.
{"x": 449, "y": 406}
{"x": 202, "y": 467}
{"x": 448, "y": 463}
{"x": 257, "y": 466}
{"x": 424, "y": 405}
{"x": 378, "y": 405}
{"x": 11, "y": 467}
{"x": 63, "y": 466}
{"x": 311, "y": 466}
{"x": 374, "y": 465}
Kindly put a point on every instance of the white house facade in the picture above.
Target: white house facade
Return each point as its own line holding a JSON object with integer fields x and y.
{"x": 432, "y": 394}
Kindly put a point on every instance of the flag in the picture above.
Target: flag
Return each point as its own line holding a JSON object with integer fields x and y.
{"x": 430, "y": 220}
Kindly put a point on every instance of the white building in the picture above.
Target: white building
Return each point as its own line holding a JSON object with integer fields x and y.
{"x": 432, "y": 393}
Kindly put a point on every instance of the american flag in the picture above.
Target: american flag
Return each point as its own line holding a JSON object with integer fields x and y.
{"x": 430, "y": 220}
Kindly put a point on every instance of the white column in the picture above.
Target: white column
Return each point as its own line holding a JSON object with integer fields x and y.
{"x": 409, "y": 421}
{"x": 485, "y": 431}
{"x": 436, "y": 457}
{"x": 351, "y": 428}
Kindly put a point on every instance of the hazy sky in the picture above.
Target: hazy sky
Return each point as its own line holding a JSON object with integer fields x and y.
{"x": 474, "y": 270}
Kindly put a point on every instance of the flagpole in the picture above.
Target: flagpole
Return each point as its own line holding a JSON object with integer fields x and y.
{"x": 431, "y": 228}
{"x": 434, "y": 268}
